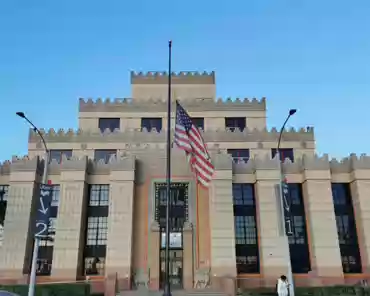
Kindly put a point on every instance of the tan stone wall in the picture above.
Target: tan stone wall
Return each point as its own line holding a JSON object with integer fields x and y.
{"x": 361, "y": 205}
{"x": 120, "y": 224}
{"x": 140, "y": 228}
{"x": 187, "y": 91}
{"x": 213, "y": 221}
{"x": 212, "y": 119}
{"x": 321, "y": 226}
{"x": 203, "y": 235}
{"x": 70, "y": 222}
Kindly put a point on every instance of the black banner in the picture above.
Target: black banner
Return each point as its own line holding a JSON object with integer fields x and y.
{"x": 287, "y": 208}
{"x": 43, "y": 211}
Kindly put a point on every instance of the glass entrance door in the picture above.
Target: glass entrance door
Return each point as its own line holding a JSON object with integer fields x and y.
{"x": 176, "y": 268}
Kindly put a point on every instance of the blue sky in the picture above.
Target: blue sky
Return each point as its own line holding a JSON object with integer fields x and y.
{"x": 312, "y": 55}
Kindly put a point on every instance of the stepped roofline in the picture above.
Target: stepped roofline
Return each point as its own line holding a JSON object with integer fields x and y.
{"x": 183, "y": 77}
{"x": 222, "y": 161}
{"x": 144, "y": 136}
{"x": 158, "y": 105}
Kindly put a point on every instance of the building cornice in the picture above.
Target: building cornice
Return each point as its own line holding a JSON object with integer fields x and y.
{"x": 159, "y": 105}
{"x": 144, "y": 136}
{"x": 128, "y": 162}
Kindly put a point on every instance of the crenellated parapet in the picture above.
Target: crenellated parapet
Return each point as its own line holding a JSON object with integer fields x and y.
{"x": 307, "y": 162}
{"x": 22, "y": 164}
{"x": 5, "y": 168}
{"x": 143, "y": 136}
{"x": 183, "y": 77}
{"x": 120, "y": 163}
{"x": 160, "y": 105}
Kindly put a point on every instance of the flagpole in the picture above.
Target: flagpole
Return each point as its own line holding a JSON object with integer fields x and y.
{"x": 197, "y": 226}
{"x": 167, "y": 286}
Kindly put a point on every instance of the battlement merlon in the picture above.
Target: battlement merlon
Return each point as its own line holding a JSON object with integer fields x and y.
{"x": 355, "y": 167}
{"x": 160, "y": 105}
{"x": 184, "y": 77}
{"x": 189, "y": 85}
{"x": 138, "y": 136}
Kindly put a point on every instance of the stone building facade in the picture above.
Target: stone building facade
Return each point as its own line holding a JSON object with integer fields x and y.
{"x": 108, "y": 197}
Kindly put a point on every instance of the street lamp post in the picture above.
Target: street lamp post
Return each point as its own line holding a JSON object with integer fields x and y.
{"x": 31, "y": 288}
{"x": 283, "y": 200}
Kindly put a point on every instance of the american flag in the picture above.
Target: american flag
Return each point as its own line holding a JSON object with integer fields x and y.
{"x": 189, "y": 139}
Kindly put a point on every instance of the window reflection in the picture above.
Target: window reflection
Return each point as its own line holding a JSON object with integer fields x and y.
{"x": 346, "y": 227}
{"x": 298, "y": 244}
{"x": 246, "y": 242}
{"x": 96, "y": 229}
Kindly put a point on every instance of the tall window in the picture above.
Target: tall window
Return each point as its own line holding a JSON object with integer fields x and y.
{"x": 57, "y": 155}
{"x": 284, "y": 153}
{"x": 151, "y": 123}
{"x": 104, "y": 155}
{"x": 239, "y": 154}
{"x": 178, "y": 204}
{"x": 109, "y": 123}
{"x": 235, "y": 122}
{"x": 4, "y": 190}
{"x": 346, "y": 227}
{"x": 46, "y": 248}
{"x": 96, "y": 230}
{"x": 246, "y": 237}
{"x": 298, "y": 244}
{"x": 198, "y": 122}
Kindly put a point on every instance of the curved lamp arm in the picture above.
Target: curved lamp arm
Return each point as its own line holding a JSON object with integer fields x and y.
{"x": 22, "y": 115}
{"x": 291, "y": 113}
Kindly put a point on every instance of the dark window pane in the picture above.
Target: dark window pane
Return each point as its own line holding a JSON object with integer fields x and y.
{"x": 239, "y": 154}
{"x": 178, "y": 205}
{"x": 104, "y": 155}
{"x": 298, "y": 244}
{"x": 94, "y": 266}
{"x": 246, "y": 237}
{"x": 109, "y": 123}
{"x": 198, "y": 122}
{"x": 44, "y": 260}
{"x": 235, "y": 122}
{"x": 4, "y": 190}
{"x": 97, "y": 230}
{"x": 284, "y": 153}
{"x": 99, "y": 195}
{"x": 57, "y": 155}
{"x": 346, "y": 227}
{"x": 151, "y": 123}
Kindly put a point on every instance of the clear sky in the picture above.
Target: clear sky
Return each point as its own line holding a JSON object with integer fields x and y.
{"x": 313, "y": 55}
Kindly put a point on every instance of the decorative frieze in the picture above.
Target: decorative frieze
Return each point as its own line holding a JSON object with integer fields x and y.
{"x": 147, "y": 158}
{"x": 307, "y": 162}
{"x": 133, "y": 136}
{"x": 160, "y": 105}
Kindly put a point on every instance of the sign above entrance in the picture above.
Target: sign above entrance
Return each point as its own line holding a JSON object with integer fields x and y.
{"x": 175, "y": 240}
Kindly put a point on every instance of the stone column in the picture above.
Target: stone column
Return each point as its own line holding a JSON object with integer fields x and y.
{"x": 16, "y": 252}
{"x": 70, "y": 222}
{"x": 360, "y": 189}
{"x": 320, "y": 216}
{"x": 273, "y": 247}
{"x": 120, "y": 219}
{"x": 223, "y": 260}
{"x": 188, "y": 259}
{"x": 153, "y": 263}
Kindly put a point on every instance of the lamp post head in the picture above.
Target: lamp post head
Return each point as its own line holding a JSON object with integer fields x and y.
{"x": 21, "y": 114}
{"x": 292, "y": 112}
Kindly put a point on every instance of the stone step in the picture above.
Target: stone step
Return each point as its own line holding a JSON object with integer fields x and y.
{"x": 200, "y": 292}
